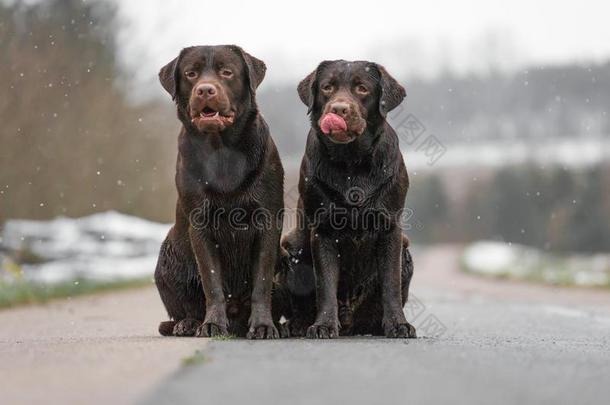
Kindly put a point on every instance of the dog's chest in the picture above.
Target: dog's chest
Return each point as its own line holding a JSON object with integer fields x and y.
{"x": 218, "y": 168}
{"x": 354, "y": 186}
{"x": 347, "y": 205}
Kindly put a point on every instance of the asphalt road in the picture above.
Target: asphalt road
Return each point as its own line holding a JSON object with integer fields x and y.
{"x": 471, "y": 351}
{"x": 481, "y": 341}
{"x": 98, "y": 349}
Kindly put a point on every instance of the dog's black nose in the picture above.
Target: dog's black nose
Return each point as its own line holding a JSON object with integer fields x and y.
{"x": 340, "y": 108}
{"x": 206, "y": 90}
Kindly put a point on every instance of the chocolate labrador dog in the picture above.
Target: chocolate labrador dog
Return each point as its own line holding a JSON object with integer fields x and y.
{"x": 351, "y": 266}
{"x": 216, "y": 266}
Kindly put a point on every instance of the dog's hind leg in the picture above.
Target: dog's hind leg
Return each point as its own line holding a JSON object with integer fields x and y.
{"x": 180, "y": 290}
{"x": 367, "y": 318}
{"x": 298, "y": 281}
{"x": 405, "y": 278}
{"x": 407, "y": 270}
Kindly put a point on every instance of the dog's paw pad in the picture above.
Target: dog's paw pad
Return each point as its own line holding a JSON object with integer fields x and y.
{"x": 319, "y": 331}
{"x": 401, "y": 331}
{"x": 186, "y": 327}
{"x": 209, "y": 329}
{"x": 263, "y": 332}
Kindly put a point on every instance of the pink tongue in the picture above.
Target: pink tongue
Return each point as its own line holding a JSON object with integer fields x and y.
{"x": 332, "y": 122}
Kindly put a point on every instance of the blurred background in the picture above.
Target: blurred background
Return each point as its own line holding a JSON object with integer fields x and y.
{"x": 505, "y": 130}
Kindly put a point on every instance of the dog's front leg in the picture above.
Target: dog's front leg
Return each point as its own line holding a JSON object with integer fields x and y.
{"x": 389, "y": 255}
{"x": 210, "y": 271}
{"x": 326, "y": 267}
{"x": 260, "y": 325}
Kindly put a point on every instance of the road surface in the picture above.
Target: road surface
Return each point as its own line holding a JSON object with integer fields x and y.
{"x": 481, "y": 341}
{"x": 101, "y": 349}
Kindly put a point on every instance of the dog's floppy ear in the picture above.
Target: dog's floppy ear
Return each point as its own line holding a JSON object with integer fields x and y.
{"x": 306, "y": 90}
{"x": 255, "y": 68}
{"x": 307, "y": 87}
{"x": 169, "y": 76}
{"x": 392, "y": 93}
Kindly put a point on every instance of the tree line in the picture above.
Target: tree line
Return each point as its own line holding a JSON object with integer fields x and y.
{"x": 552, "y": 208}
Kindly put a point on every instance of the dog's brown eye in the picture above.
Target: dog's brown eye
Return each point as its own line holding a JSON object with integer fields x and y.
{"x": 362, "y": 89}
{"x": 190, "y": 74}
{"x": 226, "y": 72}
{"x": 327, "y": 88}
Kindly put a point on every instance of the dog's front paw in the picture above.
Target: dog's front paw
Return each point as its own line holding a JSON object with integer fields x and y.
{"x": 399, "y": 330}
{"x": 186, "y": 327}
{"x": 211, "y": 329}
{"x": 263, "y": 330}
{"x": 323, "y": 331}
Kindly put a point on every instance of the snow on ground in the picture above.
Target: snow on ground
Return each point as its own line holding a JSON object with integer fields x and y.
{"x": 110, "y": 246}
{"x": 577, "y": 152}
{"x": 107, "y": 246}
{"x": 521, "y": 262}
{"x": 569, "y": 152}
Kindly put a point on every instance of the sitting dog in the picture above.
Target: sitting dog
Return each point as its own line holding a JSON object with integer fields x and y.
{"x": 216, "y": 266}
{"x": 351, "y": 266}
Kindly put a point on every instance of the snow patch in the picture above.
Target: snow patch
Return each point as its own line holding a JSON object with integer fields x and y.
{"x": 573, "y": 152}
{"x": 500, "y": 259}
{"x": 105, "y": 246}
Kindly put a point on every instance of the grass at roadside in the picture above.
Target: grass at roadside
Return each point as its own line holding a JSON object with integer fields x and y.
{"x": 21, "y": 292}
{"x": 196, "y": 358}
{"x": 224, "y": 337}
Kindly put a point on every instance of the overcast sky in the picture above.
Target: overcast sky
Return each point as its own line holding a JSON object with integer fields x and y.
{"x": 422, "y": 37}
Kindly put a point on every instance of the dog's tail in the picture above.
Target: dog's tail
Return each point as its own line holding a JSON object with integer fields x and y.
{"x": 166, "y": 328}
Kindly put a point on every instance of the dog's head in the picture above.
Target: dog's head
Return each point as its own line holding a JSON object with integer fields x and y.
{"x": 347, "y": 98}
{"x": 213, "y": 86}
